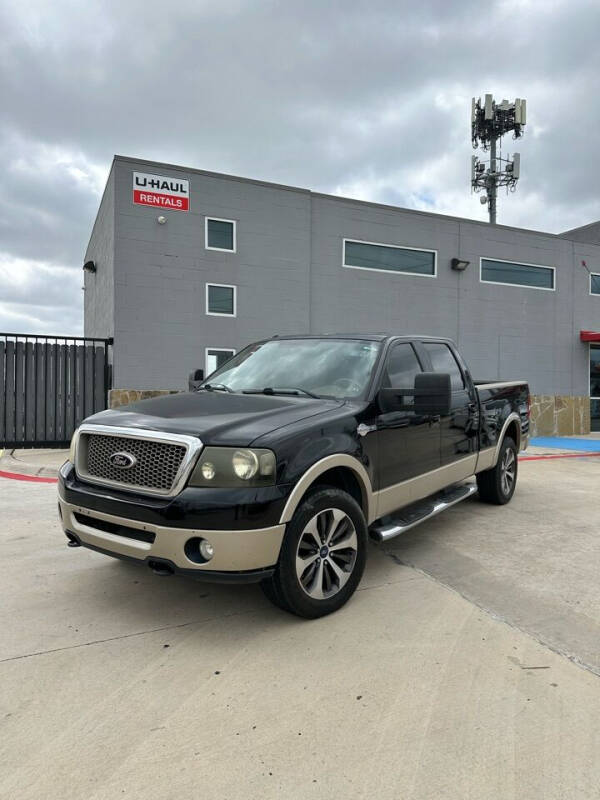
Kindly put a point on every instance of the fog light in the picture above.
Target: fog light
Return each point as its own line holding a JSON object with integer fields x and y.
{"x": 207, "y": 551}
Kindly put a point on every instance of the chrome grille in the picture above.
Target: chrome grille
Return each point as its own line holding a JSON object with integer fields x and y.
{"x": 156, "y": 468}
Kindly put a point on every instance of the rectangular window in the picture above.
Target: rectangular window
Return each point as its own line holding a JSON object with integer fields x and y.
{"x": 221, "y": 300}
{"x": 389, "y": 258}
{"x": 219, "y": 234}
{"x": 216, "y": 357}
{"x": 442, "y": 360}
{"x": 594, "y": 283}
{"x": 513, "y": 274}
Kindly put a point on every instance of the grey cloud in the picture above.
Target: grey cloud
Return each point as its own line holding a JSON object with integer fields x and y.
{"x": 370, "y": 98}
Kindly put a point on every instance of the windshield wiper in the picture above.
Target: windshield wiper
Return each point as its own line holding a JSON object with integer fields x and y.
{"x": 216, "y": 387}
{"x": 293, "y": 390}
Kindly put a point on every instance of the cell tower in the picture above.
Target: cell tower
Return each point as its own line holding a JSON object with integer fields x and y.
{"x": 489, "y": 122}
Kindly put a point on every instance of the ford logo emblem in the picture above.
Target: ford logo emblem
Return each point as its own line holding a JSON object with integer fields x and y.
{"x": 122, "y": 460}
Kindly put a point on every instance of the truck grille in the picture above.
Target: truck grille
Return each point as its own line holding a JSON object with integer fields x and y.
{"x": 156, "y": 468}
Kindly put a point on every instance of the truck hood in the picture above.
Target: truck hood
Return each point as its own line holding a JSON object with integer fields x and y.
{"x": 217, "y": 418}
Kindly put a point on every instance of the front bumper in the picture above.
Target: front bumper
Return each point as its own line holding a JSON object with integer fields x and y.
{"x": 239, "y": 555}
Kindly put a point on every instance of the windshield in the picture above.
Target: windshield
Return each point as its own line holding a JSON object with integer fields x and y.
{"x": 322, "y": 367}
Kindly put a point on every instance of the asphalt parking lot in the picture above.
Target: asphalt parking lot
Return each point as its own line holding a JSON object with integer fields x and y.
{"x": 466, "y": 666}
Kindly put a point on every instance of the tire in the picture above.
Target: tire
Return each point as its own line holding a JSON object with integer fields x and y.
{"x": 312, "y": 579}
{"x": 497, "y": 485}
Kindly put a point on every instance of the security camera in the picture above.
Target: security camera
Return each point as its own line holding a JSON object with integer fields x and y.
{"x": 483, "y": 199}
{"x": 161, "y": 220}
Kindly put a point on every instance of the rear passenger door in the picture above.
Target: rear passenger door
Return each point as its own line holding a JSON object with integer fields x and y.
{"x": 459, "y": 428}
{"x": 408, "y": 445}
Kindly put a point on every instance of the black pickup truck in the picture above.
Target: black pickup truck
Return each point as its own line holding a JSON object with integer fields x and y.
{"x": 279, "y": 466}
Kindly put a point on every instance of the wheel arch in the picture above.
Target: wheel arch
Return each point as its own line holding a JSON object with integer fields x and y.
{"x": 342, "y": 471}
{"x": 512, "y": 428}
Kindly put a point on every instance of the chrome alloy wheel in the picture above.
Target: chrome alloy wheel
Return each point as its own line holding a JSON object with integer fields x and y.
{"x": 508, "y": 471}
{"x": 326, "y": 553}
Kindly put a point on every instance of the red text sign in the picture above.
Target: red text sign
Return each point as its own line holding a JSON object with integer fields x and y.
{"x": 161, "y": 192}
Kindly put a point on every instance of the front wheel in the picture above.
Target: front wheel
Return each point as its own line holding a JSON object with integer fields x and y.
{"x": 322, "y": 557}
{"x": 497, "y": 485}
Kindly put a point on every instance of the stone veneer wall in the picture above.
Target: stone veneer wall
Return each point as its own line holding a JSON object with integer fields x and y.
{"x": 559, "y": 415}
{"x": 122, "y": 397}
{"x": 550, "y": 415}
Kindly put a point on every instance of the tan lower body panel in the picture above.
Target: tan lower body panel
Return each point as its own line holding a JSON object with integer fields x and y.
{"x": 487, "y": 459}
{"x": 234, "y": 550}
{"x": 407, "y": 492}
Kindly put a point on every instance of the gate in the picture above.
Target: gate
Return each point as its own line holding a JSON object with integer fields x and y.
{"x": 48, "y": 385}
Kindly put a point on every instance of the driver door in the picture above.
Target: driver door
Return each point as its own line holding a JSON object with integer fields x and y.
{"x": 408, "y": 444}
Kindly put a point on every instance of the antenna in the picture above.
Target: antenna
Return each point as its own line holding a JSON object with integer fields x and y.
{"x": 489, "y": 122}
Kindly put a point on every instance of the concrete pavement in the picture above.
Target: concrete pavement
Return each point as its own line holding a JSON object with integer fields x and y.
{"x": 116, "y": 683}
{"x": 40, "y": 462}
{"x": 534, "y": 563}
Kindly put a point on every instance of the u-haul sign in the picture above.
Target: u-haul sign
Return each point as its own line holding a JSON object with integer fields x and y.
{"x": 162, "y": 192}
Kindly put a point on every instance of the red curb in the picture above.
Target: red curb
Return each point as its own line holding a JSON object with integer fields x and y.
{"x": 33, "y": 478}
{"x": 563, "y": 455}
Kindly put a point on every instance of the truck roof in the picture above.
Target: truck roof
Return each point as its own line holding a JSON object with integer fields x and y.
{"x": 371, "y": 337}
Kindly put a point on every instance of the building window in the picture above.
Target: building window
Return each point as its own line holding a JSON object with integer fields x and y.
{"x": 509, "y": 273}
{"x": 216, "y": 357}
{"x": 219, "y": 234}
{"x": 389, "y": 258}
{"x": 221, "y": 300}
{"x": 594, "y": 283}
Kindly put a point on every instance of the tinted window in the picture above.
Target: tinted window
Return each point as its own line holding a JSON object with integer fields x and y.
{"x": 220, "y": 234}
{"x": 517, "y": 274}
{"x": 442, "y": 360}
{"x": 401, "y": 368}
{"x": 595, "y": 284}
{"x": 386, "y": 257}
{"x": 220, "y": 299}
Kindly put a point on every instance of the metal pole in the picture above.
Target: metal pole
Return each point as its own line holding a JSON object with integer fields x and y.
{"x": 492, "y": 189}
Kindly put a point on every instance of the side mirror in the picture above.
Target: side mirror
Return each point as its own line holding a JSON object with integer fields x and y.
{"x": 433, "y": 393}
{"x": 195, "y": 377}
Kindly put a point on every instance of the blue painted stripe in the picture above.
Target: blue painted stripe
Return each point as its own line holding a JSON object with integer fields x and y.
{"x": 564, "y": 443}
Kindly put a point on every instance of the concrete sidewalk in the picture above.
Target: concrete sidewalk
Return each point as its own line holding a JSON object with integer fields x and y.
{"x": 42, "y": 463}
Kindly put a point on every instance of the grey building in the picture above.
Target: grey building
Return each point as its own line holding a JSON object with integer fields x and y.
{"x": 190, "y": 266}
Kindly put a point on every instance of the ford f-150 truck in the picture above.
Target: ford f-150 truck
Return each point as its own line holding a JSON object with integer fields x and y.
{"x": 279, "y": 466}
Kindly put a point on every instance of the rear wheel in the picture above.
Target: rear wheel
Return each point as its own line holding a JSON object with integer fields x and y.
{"x": 497, "y": 485}
{"x": 322, "y": 557}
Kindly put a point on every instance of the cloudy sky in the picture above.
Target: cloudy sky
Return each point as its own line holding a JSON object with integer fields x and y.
{"x": 363, "y": 99}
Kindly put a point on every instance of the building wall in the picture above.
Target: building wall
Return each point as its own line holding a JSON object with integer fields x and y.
{"x": 290, "y": 279}
{"x": 99, "y": 295}
{"x": 161, "y": 328}
{"x": 586, "y": 233}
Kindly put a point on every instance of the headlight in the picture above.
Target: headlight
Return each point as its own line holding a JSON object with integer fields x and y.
{"x": 245, "y": 464}
{"x": 229, "y": 468}
{"x": 73, "y": 448}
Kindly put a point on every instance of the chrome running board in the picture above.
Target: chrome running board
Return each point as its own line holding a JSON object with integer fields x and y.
{"x": 413, "y": 515}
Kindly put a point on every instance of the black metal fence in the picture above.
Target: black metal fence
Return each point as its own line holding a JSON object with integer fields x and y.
{"x": 48, "y": 385}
